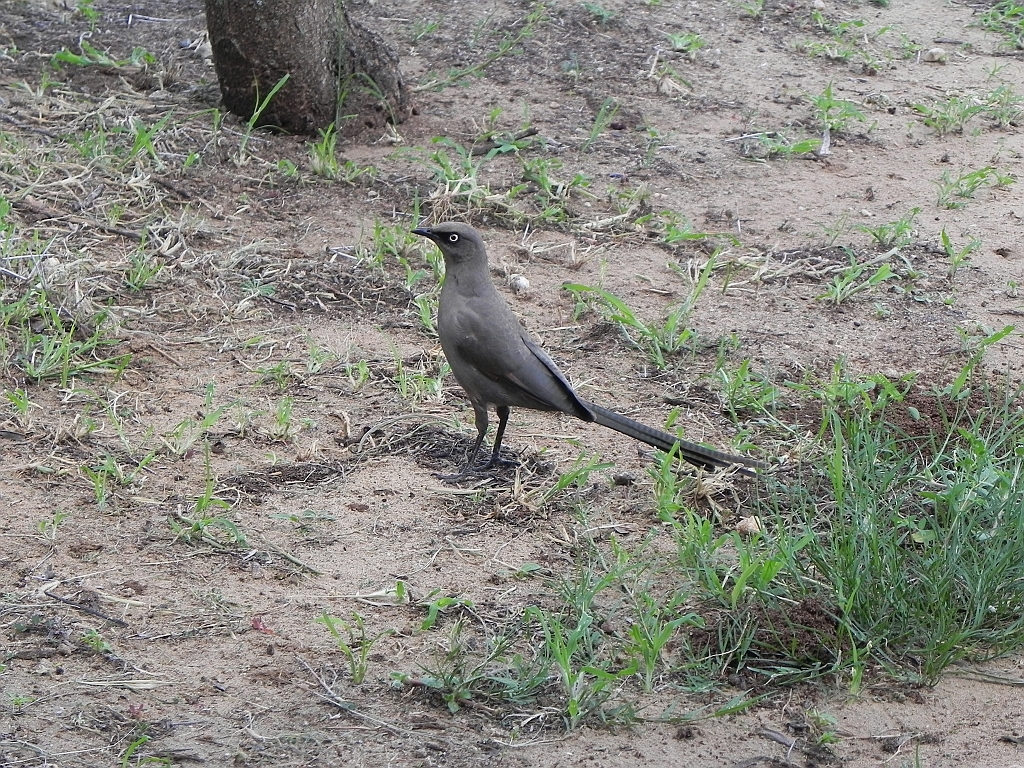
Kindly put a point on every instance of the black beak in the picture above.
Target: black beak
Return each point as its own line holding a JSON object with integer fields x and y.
{"x": 426, "y": 232}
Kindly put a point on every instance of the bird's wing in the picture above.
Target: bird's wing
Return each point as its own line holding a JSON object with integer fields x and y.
{"x": 539, "y": 376}
{"x": 499, "y": 349}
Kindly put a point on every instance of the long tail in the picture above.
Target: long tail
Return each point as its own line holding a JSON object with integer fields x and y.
{"x": 698, "y": 455}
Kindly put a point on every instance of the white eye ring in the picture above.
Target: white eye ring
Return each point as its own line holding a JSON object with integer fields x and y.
{"x": 453, "y": 238}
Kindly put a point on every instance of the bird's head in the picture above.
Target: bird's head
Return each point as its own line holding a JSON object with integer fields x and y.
{"x": 458, "y": 242}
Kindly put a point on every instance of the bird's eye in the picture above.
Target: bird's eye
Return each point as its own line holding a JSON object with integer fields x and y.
{"x": 453, "y": 238}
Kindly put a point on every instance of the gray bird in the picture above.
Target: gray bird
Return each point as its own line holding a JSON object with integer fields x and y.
{"x": 500, "y": 366}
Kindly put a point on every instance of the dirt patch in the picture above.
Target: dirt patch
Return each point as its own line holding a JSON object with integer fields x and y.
{"x": 278, "y": 371}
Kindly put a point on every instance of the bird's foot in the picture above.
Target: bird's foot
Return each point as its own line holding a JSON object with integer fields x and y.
{"x": 481, "y": 470}
{"x": 467, "y": 472}
{"x": 498, "y": 463}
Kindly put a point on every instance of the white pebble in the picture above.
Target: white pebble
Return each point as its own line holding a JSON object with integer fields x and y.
{"x": 748, "y": 526}
{"x": 937, "y": 55}
{"x": 519, "y": 284}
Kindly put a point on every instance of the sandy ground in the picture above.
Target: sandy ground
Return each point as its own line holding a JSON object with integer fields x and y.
{"x": 125, "y": 640}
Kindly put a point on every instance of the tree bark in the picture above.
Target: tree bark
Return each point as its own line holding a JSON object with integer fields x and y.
{"x": 335, "y": 67}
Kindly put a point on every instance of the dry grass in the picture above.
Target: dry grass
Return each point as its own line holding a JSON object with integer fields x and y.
{"x": 239, "y": 431}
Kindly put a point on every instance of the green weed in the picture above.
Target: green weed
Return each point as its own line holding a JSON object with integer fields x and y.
{"x": 605, "y": 115}
{"x": 746, "y": 392}
{"x": 752, "y": 8}
{"x": 849, "y": 282}
{"x": 358, "y": 373}
{"x": 1004, "y": 106}
{"x": 551, "y": 196}
{"x": 423, "y": 28}
{"x": 686, "y": 42}
{"x": 586, "y": 682}
{"x": 956, "y": 190}
{"x": 656, "y": 620}
{"x": 90, "y": 56}
{"x": 507, "y": 45}
{"x": 920, "y": 551}
{"x": 894, "y": 233}
{"x": 775, "y": 144}
{"x": 457, "y": 173}
{"x": 143, "y": 138}
{"x": 421, "y": 384}
{"x": 51, "y": 348}
{"x": 19, "y": 398}
{"x": 832, "y": 113}
{"x": 355, "y": 643}
{"x": 242, "y": 156}
{"x": 600, "y": 14}
{"x": 142, "y": 268}
{"x": 49, "y": 527}
{"x": 675, "y": 230}
{"x": 660, "y": 342}
{"x": 95, "y": 642}
{"x": 391, "y": 242}
{"x": 576, "y": 476}
{"x": 307, "y": 521}
{"x": 484, "y": 670}
{"x": 436, "y": 606}
{"x": 323, "y": 156}
{"x": 281, "y": 375}
{"x": 181, "y": 439}
{"x": 957, "y": 256}
{"x": 950, "y": 116}
{"x": 284, "y": 426}
{"x": 87, "y": 10}
{"x": 845, "y": 42}
{"x": 1005, "y": 17}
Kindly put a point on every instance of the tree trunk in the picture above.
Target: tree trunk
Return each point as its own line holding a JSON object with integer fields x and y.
{"x": 335, "y": 67}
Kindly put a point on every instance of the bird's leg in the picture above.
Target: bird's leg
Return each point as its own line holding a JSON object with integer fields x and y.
{"x": 482, "y": 422}
{"x": 496, "y": 461}
{"x": 480, "y": 412}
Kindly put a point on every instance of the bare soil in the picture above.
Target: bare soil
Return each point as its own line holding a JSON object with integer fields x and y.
{"x": 210, "y": 651}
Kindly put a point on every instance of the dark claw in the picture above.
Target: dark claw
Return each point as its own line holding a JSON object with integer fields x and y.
{"x": 481, "y": 470}
{"x": 501, "y": 463}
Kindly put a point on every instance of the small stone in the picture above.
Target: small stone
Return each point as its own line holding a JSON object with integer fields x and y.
{"x": 818, "y": 5}
{"x": 519, "y": 284}
{"x": 748, "y": 526}
{"x": 935, "y": 55}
